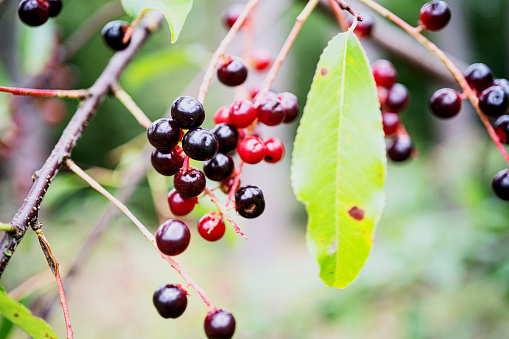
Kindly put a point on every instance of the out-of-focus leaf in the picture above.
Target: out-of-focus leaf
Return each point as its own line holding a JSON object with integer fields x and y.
{"x": 36, "y": 47}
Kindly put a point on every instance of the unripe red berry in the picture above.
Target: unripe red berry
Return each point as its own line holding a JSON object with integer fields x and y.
{"x": 390, "y": 121}
{"x": 260, "y": 59}
{"x": 251, "y": 150}
{"x": 180, "y": 205}
{"x": 211, "y": 227}
{"x": 242, "y": 113}
{"x": 274, "y": 150}
{"x": 384, "y": 73}
{"x": 222, "y": 115}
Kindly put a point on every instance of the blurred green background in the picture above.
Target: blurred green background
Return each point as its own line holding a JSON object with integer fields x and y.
{"x": 440, "y": 264}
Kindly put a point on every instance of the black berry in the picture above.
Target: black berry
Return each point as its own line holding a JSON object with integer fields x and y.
{"x": 232, "y": 71}
{"x": 249, "y": 201}
{"x": 400, "y": 148}
{"x": 219, "y": 324}
{"x": 479, "y": 76}
{"x": 227, "y": 137}
{"x": 33, "y": 12}
{"x": 435, "y": 15}
{"x": 397, "y": 98}
{"x": 55, "y": 6}
{"x": 189, "y": 182}
{"x": 163, "y": 133}
{"x": 227, "y": 184}
{"x": 502, "y": 128}
{"x": 493, "y": 101}
{"x": 504, "y": 83}
{"x": 290, "y": 105}
{"x": 200, "y": 144}
{"x": 113, "y": 34}
{"x": 218, "y": 168}
{"x": 173, "y": 237}
{"x": 187, "y": 112}
{"x": 170, "y": 301}
{"x": 500, "y": 184}
{"x": 445, "y": 103}
{"x": 270, "y": 112}
{"x": 167, "y": 161}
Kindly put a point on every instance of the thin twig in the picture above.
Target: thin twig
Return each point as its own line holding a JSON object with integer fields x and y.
{"x": 223, "y": 211}
{"x": 338, "y": 13}
{"x": 131, "y": 106}
{"x": 129, "y": 32}
{"x": 346, "y": 7}
{"x": 55, "y": 93}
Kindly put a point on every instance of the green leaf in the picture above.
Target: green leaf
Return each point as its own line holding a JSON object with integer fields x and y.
{"x": 175, "y": 12}
{"x": 338, "y": 168}
{"x": 21, "y": 316}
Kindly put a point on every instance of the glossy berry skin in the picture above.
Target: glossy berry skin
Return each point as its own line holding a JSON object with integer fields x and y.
{"x": 445, "y": 103}
{"x": 113, "y": 34}
{"x": 232, "y": 71}
{"x": 384, "y": 73}
{"x": 479, "y": 76}
{"x": 501, "y": 127}
{"x": 189, "y": 182}
{"x": 180, "y": 205}
{"x": 55, "y": 7}
{"x": 504, "y": 83}
{"x": 251, "y": 150}
{"x": 500, "y": 184}
{"x": 270, "y": 112}
{"x": 242, "y": 113}
{"x": 435, "y": 15}
{"x": 222, "y": 115}
{"x": 231, "y": 14}
{"x": 170, "y": 301}
{"x": 33, "y": 12}
{"x": 260, "y": 59}
{"x": 167, "y": 161}
{"x": 364, "y": 27}
{"x": 397, "y": 98}
{"x": 218, "y": 168}
{"x": 290, "y": 105}
{"x": 219, "y": 324}
{"x": 249, "y": 202}
{"x": 493, "y": 101}
{"x": 163, "y": 133}
{"x": 173, "y": 237}
{"x": 227, "y": 137}
{"x": 211, "y": 227}
{"x": 200, "y": 144}
{"x": 390, "y": 121}
{"x": 187, "y": 112}
{"x": 227, "y": 184}
{"x": 400, "y": 148}
{"x": 274, "y": 150}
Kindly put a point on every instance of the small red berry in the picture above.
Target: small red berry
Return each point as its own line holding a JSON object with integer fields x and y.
{"x": 242, "y": 113}
{"x": 260, "y": 59}
{"x": 397, "y": 98}
{"x": 231, "y": 14}
{"x": 211, "y": 227}
{"x": 384, "y": 73}
{"x": 251, "y": 150}
{"x": 390, "y": 122}
{"x": 364, "y": 27}
{"x": 227, "y": 184}
{"x": 180, "y": 205}
{"x": 435, "y": 15}
{"x": 274, "y": 150}
{"x": 501, "y": 127}
{"x": 382, "y": 95}
{"x": 222, "y": 115}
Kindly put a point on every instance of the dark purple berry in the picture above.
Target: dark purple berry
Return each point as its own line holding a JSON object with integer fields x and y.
{"x": 501, "y": 127}
{"x": 33, "y": 12}
{"x": 163, "y": 133}
{"x": 390, "y": 122}
{"x": 400, "y": 148}
{"x": 249, "y": 201}
{"x": 290, "y": 105}
{"x": 435, "y": 15}
{"x": 493, "y": 101}
{"x": 232, "y": 71}
{"x": 173, "y": 237}
{"x": 187, "y": 112}
{"x": 55, "y": 6}
{"x": 227, "y": 137}
{"x": 189, "y": 182}
{"x": 500, "y": 184}
{"x": 170, "y": 301}
{"x": 167, "y": 161}
{"x": 445, "y": 103}
{"x": 218, "y": 168}
{"x": 200, "y": 144}
{"x": 479, "y": 76}
{"x": 397, "y": 98}
{"x": 219, "y": 324}
{"x": 270, "y": 112}
{"x": 504, "y": 83}
{"x": 113, "y": 34}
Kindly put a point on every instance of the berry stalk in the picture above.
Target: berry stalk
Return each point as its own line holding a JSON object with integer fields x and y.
{"x": 131, "y": 106}
{"x": 223, "y": 211}
{"x": 55, "y": 93}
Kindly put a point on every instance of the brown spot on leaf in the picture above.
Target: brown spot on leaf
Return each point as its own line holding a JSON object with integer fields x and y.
{"x": 16, "y": 315}
{"x": 324, "y": 71}
{"x": 356, "y": 213}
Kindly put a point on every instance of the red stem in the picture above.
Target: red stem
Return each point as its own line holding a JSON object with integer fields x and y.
{"x": 73, "y": 94}
{"x": 63, "y": 301}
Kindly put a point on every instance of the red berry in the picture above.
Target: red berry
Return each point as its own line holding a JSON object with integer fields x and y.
{"x": 390, "y": 122}
{"x": 173, "y": 237}
{"x": 270, "y": 112}
{"x": 364, "y": 27}
{"x": 397, "y": 98}
{"x": 242, "y": 113}
{"x": 231, "y": 14}
{"x": 251, "y": 150}
{"x": 211, "y": 227}
{"x": 382, "y": 95}
{"x": 384, "y": 73}
{"x": 290, "y": 105}
{"x": 501, "y": 127}
{"x": 180, "y": 205}
{"x": 500, "y": 184}
{"x": 232, "y": 71}
{"x": 445, "y": 103}
{"x": 222, "y": 115}
{"x": 274, "y": 150}
{"x": 260, "y": 59}
{"x": 227, "y": 184}
{"x": 435, "y": 15}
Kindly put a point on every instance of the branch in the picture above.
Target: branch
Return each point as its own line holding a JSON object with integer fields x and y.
{"x": 55, "y": 93}
{"x": 28, "y": 213}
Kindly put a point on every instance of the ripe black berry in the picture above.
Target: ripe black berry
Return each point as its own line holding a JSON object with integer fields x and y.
{"x": 504, "y": 83}
{"x": 113, "y": 34}
{"x": 219, "y": 324}
{"x": 270, "y": 112}
{"x": 189, "y": 182}
{"x": 232, "y": 71}
{"x": 218, "y": 168}
{"x": 397, "y": 97}
{"x": 167, "y": 161}
{"x": 502, "y": 128}
{"x": 200, "y": 144}
{"x": 170, "y": 301}
{"x": 173, "y": 237}
{"x": 55, "y": 6}
{"x": 163, "y": 133}
{"x": 290, "y": 105}
{"x": 445, "y": 103}
{"x": 493, "y": 101}
{"x": 435, "y": 15}
{"x": 211, "y": 227}
{"x": 187, "y": 112}
{"x": 33, "y": 12}
{"x": 180, "y": 205}
{"x": 249, "y": 202}
{"x": 227, "y": 137}
{"x": 500, "y": 184}
{"x": 478, "y": 76}
{"x": 400, "y": 148}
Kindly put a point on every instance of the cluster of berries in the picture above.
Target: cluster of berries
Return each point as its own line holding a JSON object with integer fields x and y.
{"x": 37, "y": 12}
